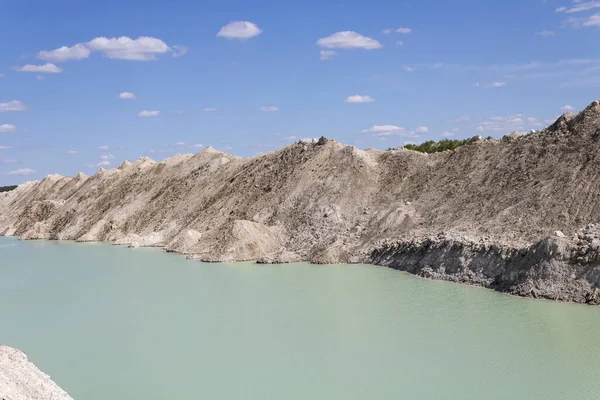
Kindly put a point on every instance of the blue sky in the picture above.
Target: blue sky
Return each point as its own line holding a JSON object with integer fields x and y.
{"x": 248, "y": 77}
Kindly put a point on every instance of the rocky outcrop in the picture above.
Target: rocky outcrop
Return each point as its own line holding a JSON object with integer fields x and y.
{"x": 487, "y": 213}
{"x": 21, "y": 380}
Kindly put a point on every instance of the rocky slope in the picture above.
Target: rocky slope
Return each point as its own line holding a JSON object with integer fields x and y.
{"x": 511, "y": 214}
{"x": 21, "y": 380}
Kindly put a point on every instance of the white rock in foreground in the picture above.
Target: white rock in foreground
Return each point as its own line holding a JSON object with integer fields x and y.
{"x": 21, "y": 380}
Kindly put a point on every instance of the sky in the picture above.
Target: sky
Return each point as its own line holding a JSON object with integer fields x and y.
{"x": 86, "y": 85}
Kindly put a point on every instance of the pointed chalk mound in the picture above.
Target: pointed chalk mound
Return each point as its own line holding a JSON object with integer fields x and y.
{"x": 21, "y": 380}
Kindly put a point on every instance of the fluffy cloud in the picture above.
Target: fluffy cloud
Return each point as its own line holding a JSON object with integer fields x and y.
{"x": 516, "y": 122}
{"x": 103, "y": 148}
{"x": 327, "y": 54}
{"x": 580, "y": 6}
{"x": 22, "y": 171}
{"x": 356, "y": 99}
{"x": 64, "y": 53}
{"x": 408, "y": 68}
{"x": 72, "y": 152}
{"x": 349, "y": 40}
{"x": 567, "y": 107}
{"x": 491, "y": 85}
{"x": 198, "y": 146}
{"x": 14, "y": 105}
{"x": 144, "y": 48}
{"x": 5, "y": 147}
{"x": 239, "y": 30}
{"x": 399, "y": 43}
{"x": 7, "y": 128}
{"x": 103, "y": 164}
{"x": 147, "y": 113}
{"x": 422, "y": 129}
{"x": 269, "y": 109}
{"x": 107, "y": 157}
{"x": 126, "y": 96}
{"x": 390, "y": 130}
{"x": 47, "y": 68}
{"x": 448, "y": 134}
{"x": 546, "y": 33}
{"x": 404, "y": 30}
{"x": 387, "y": 31}
{"x": 209, "y": 109}
{"x": 592, "y": 20}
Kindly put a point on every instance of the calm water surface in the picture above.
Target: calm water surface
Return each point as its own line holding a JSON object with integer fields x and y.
{"x": 111, "y": 322}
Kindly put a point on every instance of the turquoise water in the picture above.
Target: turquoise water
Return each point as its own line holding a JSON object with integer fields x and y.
{"x": 111, "y": 322}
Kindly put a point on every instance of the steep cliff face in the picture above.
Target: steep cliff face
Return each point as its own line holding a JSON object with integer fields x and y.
{"x": 326, "y": 203}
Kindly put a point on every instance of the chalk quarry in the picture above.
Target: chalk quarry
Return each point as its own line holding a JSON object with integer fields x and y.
{"x": 519, "y": 215}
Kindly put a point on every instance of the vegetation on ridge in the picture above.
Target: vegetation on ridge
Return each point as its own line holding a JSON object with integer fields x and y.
{"x": 7, "y": 189}
{"x": 432, "y": 146}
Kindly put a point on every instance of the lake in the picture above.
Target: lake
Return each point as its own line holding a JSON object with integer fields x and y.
{"x": 111, "y": 322}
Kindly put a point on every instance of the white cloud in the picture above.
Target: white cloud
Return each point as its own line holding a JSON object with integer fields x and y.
{"x": 387, "y": 31}
{"x": 356, "y": 99}
{"x": 144, "y": 48}
{"x": 567, "y": 107}
{"x": 463, "y": 118}
{"x": 390, "y": 130}
{"x": 448, "y": 134}
{"x": 516, "y": 122}
{"x": 592, "y": 20}
{"x": 239, "y": 30}
{"x": 422, "y": 129}
{"x": 5, "y": 147}
{"x": 147, "y": 113}
{"x": 177, "y": 112}
{"x": 399, "y": 43}
{"x": 126, "y": 96}
{"x": 579, "y": 7}
{"x": 7, "y": 128}
{"x": 209, "y": 109}
{"x": 533, "y": 122}
{"x": 64, "y": 53}
{"x": 269, "y": 109}
{"x": 47, "y": 68}
{"x": 290, "y": 138}
{"x": 22, "y": 171}
{"x": 179, "y": 143}
{"x": 179, "y": 51}
{"x": 14, "y": 105}
{"x": 72, "y": 152}
{"x": 546, "y": 33}
{"x": 103, "y": 164}
{"x": 103, "y": 148}
{"x": 491, "y": 85}
{"x": 349, "y": 40}
{"x": 408, "y": 68}
{"x": 198, "y": 145}
{"x": 107, "y": 157}
{"x": 327, "y": 55}
{"x": 404, "y": 30}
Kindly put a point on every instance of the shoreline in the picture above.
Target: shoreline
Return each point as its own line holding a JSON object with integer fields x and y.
{"x": 464, "y": 274}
